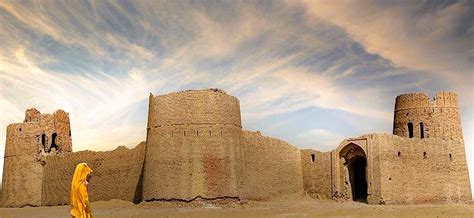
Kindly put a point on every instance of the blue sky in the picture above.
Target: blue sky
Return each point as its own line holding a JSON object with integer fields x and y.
{"x": 308, "y": 72}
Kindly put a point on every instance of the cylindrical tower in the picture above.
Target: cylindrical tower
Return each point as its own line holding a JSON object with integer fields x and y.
{"x": 417, "y": 116}
{"x": 193, "y": 146}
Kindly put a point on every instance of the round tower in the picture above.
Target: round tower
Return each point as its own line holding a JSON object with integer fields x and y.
{"x": 193, "y": 146}
{"x": 418, "y": 116}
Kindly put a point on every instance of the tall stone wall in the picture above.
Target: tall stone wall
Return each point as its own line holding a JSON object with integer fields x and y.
{"x": 271, "y": 168}
{"x": 422, "y": 171}
{"x": 116, "y": 175}
{"x": 317, "y": 173}
{"x": 192, "y": 146}
{"x": 39, "y": 135}
{"x": 437, "y": 118}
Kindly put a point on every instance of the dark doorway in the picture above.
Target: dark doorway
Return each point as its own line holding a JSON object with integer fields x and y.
{"x": 358, "y": 178}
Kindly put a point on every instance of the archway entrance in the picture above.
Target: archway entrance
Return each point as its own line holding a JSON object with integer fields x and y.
{"x": 357, "y": 174}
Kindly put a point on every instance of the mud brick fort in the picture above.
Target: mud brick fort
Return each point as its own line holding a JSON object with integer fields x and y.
{"x": 196, "y": 149}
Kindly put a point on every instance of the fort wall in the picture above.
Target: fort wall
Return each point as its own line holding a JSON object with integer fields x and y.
{"x": 196, "y": 148}
{"x": 399, "y": 170}
{"x": 317, "y": 173}
{"x": 271, "y": 168}
{"x": 193, "y": 146}
{"x": 422, "y": 170}
{"x": 115, "y": 175}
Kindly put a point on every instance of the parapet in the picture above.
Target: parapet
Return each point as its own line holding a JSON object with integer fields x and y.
{"x": 422, "y": 100}
{"x": 194, "y": 107}
{"x": 446, "y": 99}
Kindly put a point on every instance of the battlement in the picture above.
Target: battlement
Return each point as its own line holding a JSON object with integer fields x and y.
{"x": 446, "y": 99}
{"x": 422, "y": 100}
{"x": 197, "y": 91}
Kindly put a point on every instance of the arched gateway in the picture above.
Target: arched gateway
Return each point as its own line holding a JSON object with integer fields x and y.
{"x": 355, "y": 163}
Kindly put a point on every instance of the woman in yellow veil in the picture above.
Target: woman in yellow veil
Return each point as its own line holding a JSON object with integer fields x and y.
{"x": 80, "y": 206}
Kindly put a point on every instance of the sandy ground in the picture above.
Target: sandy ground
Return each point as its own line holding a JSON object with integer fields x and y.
{"x": 300, "y": 208}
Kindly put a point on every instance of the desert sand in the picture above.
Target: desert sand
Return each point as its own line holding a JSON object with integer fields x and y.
{"x": 284, "y": 208}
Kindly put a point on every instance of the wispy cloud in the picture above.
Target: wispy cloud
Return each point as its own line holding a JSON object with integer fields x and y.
{"x": 435, "y": 39}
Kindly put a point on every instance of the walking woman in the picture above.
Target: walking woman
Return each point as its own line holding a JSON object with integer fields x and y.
{"x": 80, "y": 206}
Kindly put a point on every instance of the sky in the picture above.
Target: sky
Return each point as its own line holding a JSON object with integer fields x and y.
{"x": 309, "y": 72}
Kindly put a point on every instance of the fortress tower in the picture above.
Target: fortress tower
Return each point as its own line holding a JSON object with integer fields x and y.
{"x": 26, "y": 144}
{"x": 417, "y": 116}
{"x": 193, "y": 146}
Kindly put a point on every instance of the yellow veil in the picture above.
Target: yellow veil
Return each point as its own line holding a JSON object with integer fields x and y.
{"x": 80, "y": 206}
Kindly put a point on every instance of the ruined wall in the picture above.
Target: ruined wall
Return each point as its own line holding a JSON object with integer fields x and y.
{"x": 271, "y": 168}
{"x": 440, "y": 117}
{"x": 22, "y": 173}
{"x": 422, "y": 171}
{"x": 192, "y": 146}
{"x": 317, "y": 173}
{"x": 39, "y": 135}
{"x": 115, "y": 175}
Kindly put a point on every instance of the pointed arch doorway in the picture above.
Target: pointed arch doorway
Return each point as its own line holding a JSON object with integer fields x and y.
{"x": 355, "y": 162}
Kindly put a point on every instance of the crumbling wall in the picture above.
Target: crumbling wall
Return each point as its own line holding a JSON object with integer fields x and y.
{"x": 271, "y": 168}
{"x": 192, "y": 146}
{"x": 115, "y": 175}
{"x": 317, "y": 173}
{"x": 25, "y": 144}
{"x": 22, "y": 173}
{"x": 422, "y": 170}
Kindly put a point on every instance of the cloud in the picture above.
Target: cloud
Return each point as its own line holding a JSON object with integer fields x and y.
{"x": 435, "y": 40}
{"x": 291, "y": 89}
{"x": 92, "y": 100}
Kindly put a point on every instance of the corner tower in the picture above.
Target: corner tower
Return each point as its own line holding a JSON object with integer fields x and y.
{"x": 193, "y": 146}
{"x": 26, "y": 144}
{"x": 417, "y": 116}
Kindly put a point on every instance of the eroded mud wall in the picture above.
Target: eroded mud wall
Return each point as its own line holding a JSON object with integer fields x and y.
{"x": 271, "y": 168}
{"x": 316, "y": 168}
{"x": 115, "y": 175}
